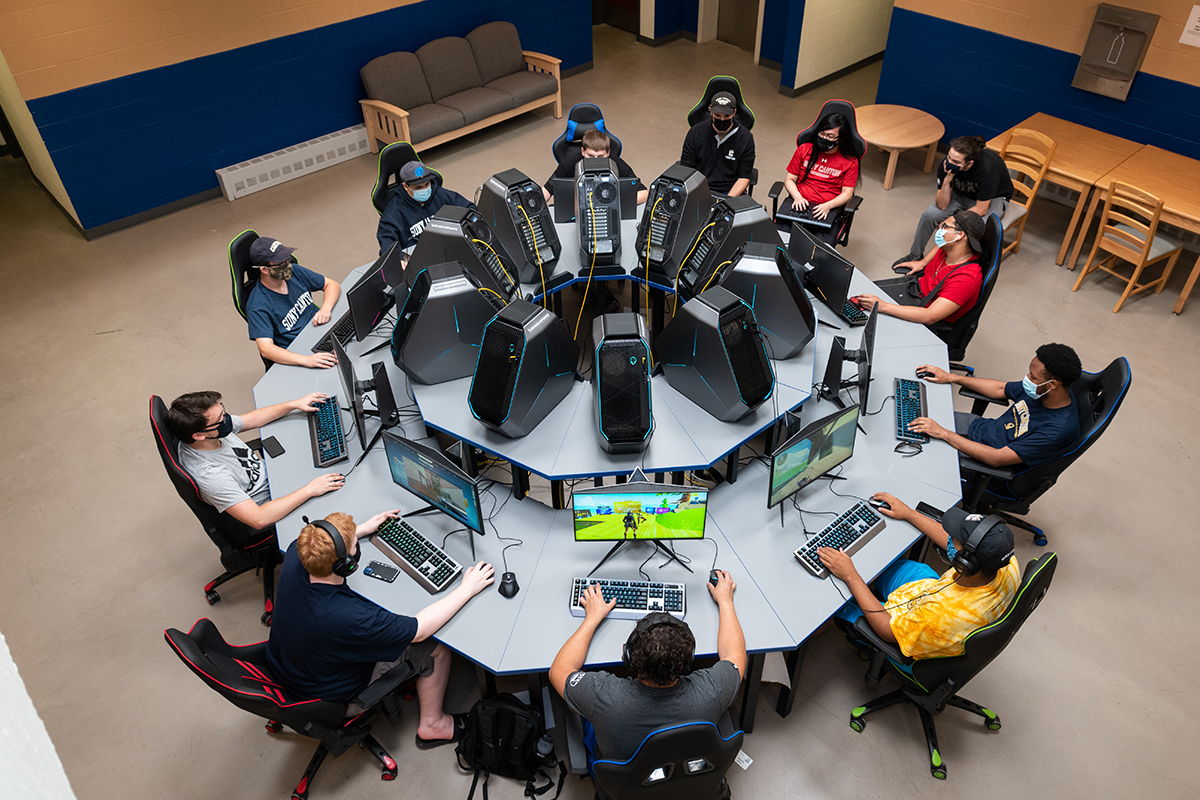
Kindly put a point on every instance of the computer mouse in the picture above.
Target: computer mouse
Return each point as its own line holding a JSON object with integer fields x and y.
{"x": 713, "y": 577}
{"x": 925, "y": 374}
{"x": 879, "y": 504}
{"x": 508, "y": 585}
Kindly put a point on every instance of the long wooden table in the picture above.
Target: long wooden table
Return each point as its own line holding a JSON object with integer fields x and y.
{"x": 897, "y": 128}
{"x": 1082, "y": 159}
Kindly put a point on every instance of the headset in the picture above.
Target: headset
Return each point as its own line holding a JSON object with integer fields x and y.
{"x": 653, "y": 620}
{"x": 966, "y": 561}
{"x": 345, "y": 566}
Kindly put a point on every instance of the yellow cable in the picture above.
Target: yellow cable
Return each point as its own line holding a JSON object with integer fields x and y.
{"x": 537, "y": 253}
{"x": 588, "y": 285}
{"x": 715, "y": 271}
{"x": 646, "y": 284}
{"x": 489, "y": 291}
{"x": 499, "y": 261}
{"x": 695, "y": 244}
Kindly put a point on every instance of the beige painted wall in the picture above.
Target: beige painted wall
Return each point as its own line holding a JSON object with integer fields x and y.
{"x": 1064, "y": 25}
{"x": 838, "y": 33}
{"x": 56, "y": 46}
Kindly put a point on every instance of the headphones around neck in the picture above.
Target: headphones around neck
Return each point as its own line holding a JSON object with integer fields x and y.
{"x": 345, "y": 566}
{"x": 966, "y": 561}
{"x": 653, "y": 620}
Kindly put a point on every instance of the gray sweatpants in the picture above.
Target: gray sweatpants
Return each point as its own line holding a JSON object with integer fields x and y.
{"x": 933, "y": 216}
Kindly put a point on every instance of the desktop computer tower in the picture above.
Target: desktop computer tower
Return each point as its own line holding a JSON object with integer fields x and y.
{"x": 712, "y": 354}
{"x": 526, "y": 367}
{"x": 678, "y": 202}
{"x": 732, "y": 222}
{"x": 515, "y": 208}
{"x": 621, "y": 383}
{"x": 461, "y": 234}
{"x": 765, "y": 277}
{"x": 440, "y": 326}
{"x": 597, "y": 213}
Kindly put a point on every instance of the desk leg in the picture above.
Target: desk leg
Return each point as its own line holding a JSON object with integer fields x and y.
{"x": 1084, "y": 193}
{"x": 893, "y": 157}
{"x": 598, "y": 481}
{"x": 657, "y": 307}
{"x": 635, "y": 296}
{"x": 470, "y": 464}
{"x": 487, "y": 682}
{"x": 731, "y": 465}
{"x": 556, "y": 303}
{"x": 750, "y": 689}
{"x": 1083, "y": 228}
{"x": 520, "y": 482}
{"x": 677, "y": 477}
{"x": 787, "y": 696}
{"x": 1187, "y": 288}
{"x": 620, "y": 478}
{"x": 930, "y": 156}
{"x": 556, "y": 495}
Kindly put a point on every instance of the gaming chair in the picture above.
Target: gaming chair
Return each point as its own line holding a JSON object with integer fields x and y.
{"x": 744, "y": 116}
{"x": 581, "y": 118}
{"x": 387, "y": 178}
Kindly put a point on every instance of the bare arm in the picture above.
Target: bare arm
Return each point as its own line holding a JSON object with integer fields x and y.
{"x": 842, "y": 567}
{"x": 942, "y": 198}
{"x": 332, "y": 290}
{"x": 258, "y": 417}
{"x": 793, "y": 189}
{"x": 992, "y": 456}
{"x": 937, "y": 311}
{"x": 731, "y": 642}
{"x": 739, "y": 187}
{"x": 251, "y": 513}
{"x": 573, "y": 653}
{"x": 981, "y": 207}
{"x": 984, "y": 386}
{"x": 273, "y": 352}
{"x": 432, "y": 617}
{"x": 899, "y": 510}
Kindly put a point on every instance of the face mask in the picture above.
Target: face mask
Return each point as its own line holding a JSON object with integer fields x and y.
{"x": 722, "y": 125}
{"x": 423, "y": 195}
{"x": 939, "y": 237}
{"x": 224, "y": 428}
{"x": 1031, "y": 388}
{"x": 825, "y": 144}
{"x": 281, "y": 273}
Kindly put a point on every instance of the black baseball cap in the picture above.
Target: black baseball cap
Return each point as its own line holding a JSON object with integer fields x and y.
{"x": 973, "y": 226}
{"x": 997, "y": 546}
{"x": 723, "y": 102}
{"x": 265, "y": 251}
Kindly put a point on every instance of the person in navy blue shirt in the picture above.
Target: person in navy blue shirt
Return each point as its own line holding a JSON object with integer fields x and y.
{"x": 419, "y": 197}
{"x": 1041, "y": 424}
{"x": 329, "y": 643}
{"x": 281, "y": 304}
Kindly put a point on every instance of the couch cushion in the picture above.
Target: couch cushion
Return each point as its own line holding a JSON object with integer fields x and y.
{"x": 430, "y": 120}
{"x": 449, "y": 67}
{"x": 396, "y": 78}
{"x": 525, "y": 87}
{"x": 497, "y": 49}
{"x": 479, "y": 103}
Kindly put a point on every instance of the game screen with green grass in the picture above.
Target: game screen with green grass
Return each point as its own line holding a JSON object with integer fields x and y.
{"x": 608, "y": 517}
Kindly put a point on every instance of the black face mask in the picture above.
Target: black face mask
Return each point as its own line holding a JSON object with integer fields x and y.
{"x": 722, "y": 125}
{"x": 825, "y": 144}
{"x": 224, "y": 427}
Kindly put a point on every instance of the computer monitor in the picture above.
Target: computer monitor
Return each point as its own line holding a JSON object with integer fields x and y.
{"x": 832, "y": 383}
{"x": 811, "y": 453}
{"x": 648, "y": 511}
{"x": 351, "y": 390}
{"x": 369, "y": 298}
{"x": 827, "y": 274}
{"x": 864, "y": 356}
{"x": 434, "y": 478}
{"x": 385, "y": 398}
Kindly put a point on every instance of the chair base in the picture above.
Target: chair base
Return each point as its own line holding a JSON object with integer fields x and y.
{"x": 264, "y": 563}
{"x": 389, "y": 768}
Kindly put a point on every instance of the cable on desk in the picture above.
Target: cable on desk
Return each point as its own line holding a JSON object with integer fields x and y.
{"x": 846, "y": 496}
{"x": 643, "y": 564}
{"x": 716, "y": 549}
{"x": 488, "y": 520}
{"x": 882, "y": 403}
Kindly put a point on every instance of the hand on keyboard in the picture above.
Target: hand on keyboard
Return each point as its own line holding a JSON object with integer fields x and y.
{"x": 928, "y": 427}
{"x": 320, "y": 360}
{"x": 837, "y": 562}
{"x": 593, "y": 603}
{"x": 309, "y": 401}
{"x": 372, "y": 525}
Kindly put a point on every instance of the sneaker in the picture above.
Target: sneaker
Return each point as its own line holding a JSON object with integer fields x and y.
{"x": 909, "y": 257}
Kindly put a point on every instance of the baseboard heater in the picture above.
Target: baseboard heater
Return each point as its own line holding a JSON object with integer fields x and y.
{"x": 305, "y": 158}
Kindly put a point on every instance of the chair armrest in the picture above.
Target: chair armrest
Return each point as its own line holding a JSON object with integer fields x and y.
{"x": 981, "y": 400}
{"x": 980, "y": 468}
{"x": 853, "y": 204}
{"x": 395, "y": 678}
{"x": 863, "y": 629}
{"x": 776, "y": 190}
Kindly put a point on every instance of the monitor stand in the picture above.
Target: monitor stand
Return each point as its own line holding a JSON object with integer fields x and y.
{"x": 624, "y": 542}
{"x": 429, "y": 508}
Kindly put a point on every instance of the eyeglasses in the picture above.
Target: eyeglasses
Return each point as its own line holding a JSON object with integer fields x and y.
{"x": 950, "y": 228}
{"x": 217, "y": 424}
{"x": 828, "y": 138}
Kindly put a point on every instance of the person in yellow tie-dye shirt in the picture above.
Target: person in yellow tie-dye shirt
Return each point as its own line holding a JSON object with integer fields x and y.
{"x": 929, "y": 615}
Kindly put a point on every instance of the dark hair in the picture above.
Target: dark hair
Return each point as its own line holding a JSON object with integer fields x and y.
{"x": 969, "y": 146}
{"x": 186, "y": 414}
{"x": 595, "y": 140}
{"x": 1060, "y": 362}
{"x": 827, "y": 123}
{"x": 662, "y": 653}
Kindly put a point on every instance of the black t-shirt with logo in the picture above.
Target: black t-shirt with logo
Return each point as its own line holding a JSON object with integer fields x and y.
{"x": 987, "y": 178}
{"x": 723, "y": 164}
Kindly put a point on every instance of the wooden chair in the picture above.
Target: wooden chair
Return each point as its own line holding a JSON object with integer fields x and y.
{"x": 1026, "y": 153}
{"x": 1128, "y": 231}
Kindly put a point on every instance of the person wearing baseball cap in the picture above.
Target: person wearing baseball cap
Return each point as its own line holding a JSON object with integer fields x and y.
{"x": 281, "y": 304}
{"x": 720, "y": 148}
{"x": 927, "y": 615}
{"x": 419, "y": 197}
{"x": 947, "y": 281}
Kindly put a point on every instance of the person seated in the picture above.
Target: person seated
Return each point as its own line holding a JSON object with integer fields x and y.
{"x": 409, "y": 211}
{"x": 1039, "y": 426}
{"x": 720, "y": 148}
{"x": 948, "y": 280}
{"x": 927, "y": 615}
{"x": 327, "y": 642}
{"x": 822, "y": 174}
{"x": 229, "y": 474}
{"x": 621, "y": 712}
{"x": 971, "y": 177}
{"x": 595, "y": 144}
{"x": 281, "y": 304}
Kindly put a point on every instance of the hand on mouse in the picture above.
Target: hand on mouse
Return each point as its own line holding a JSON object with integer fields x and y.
{"x": 935, "y": 374}
{"x": 898, "y": 509}
{"x": 594, "y": 607}
{"x": 323, "y": 484}
{"x": 723, "y": 591}
{"x": 477, "y": 578}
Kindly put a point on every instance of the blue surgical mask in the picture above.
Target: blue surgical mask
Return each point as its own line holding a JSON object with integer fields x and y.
{"x": 423, "y": 195}
{"x": 1031, "y": 388}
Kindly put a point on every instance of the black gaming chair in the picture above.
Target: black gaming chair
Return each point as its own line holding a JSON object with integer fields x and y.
{"x": 387, "y": 179}
{"x": 744, "y": 116}
{"x": 243, "y": 275}
{"x": 582, "y": 117}
{"x": 682, "y": 762}
{"x": 241, "y": 676}
{"x": 242, "y": 547}
{"x": 957, "y": 335}
{"x": 1098, "y": 395}
{"x": 936, "y": 682}
{"x": 859, "y": 149}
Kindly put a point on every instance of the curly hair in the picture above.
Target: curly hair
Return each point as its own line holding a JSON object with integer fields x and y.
{"x": 662, "y": 653}
{"x": 1060, "y": 362}
{"x": 315, "y": 548}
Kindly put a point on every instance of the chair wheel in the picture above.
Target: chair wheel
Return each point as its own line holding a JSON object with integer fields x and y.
{"x": 857, "y": 725}
{"x": 265, "y": 619}
{"x": 212, "y": 597}
{"x": 994, "y": 725}
{"x": 388, "y": 776}
{"x": 938, "y": 772}
{"x": 1039, "y": 540}
{"x": 274, "y": 727}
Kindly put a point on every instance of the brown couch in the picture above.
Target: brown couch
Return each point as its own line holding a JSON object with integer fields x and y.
{"x": 454, "y": 86}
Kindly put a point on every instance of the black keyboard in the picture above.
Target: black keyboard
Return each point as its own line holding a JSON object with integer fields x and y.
{"x": 910, "y": 404}
{"x": 853, "y": 314}
{"x": 343, "y": 329}
{"x": 635, "y": 599}
{"x": 424, "y": 561}
{"x": 849, "y": 533}
{"x": 325, "y": 430}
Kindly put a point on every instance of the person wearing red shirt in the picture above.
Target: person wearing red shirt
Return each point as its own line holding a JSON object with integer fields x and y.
{"x": 949, "y": 278}
{"x": 825, "y": 182}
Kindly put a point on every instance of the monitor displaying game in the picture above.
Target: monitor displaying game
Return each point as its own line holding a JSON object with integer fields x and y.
{"x": 811, "y": 453}
{"x": 677, "y": 513}
{"x": 434, "y": 478}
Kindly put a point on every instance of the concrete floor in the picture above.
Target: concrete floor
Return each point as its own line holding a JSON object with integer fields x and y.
{"x": 1093, "y": 692}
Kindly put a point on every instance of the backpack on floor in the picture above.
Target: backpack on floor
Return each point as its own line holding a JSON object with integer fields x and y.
{"x": 508, "y": 738}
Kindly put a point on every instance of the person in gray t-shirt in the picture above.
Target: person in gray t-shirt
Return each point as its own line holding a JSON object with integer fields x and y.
{"x": 227, "y": 472}
{"x": 622, "y": 712}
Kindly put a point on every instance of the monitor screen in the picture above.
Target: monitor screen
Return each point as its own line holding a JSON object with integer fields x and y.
{"x": 368, "y": 298}
{"x": 432, "y": 477}
{"x": 865, "y": 357}
{"x": 814, "y": 451}
{"x": 350, "y": 390}
{"x": 641, "y": 512}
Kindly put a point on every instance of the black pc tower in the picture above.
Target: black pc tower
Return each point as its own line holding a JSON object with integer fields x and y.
{"x": 676, "y": 207}
{"x": 732, "y": 222}
{"x": 597, "y": 213}
{"x": 526, "y": 367}
{"x": 621, "y": 383}
{"x": 440, "y": 326}
{"x": 712, "y": 353}
{"x": 515, "y": 208}
{"x": 461, "y": 234}
{"x": 765, "y": 277}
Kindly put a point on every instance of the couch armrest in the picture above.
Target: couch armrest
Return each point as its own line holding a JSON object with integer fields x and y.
{"x": 385, "y": 123}
{"x": 540, "y": 62}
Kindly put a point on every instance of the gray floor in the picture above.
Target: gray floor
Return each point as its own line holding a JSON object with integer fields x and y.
{"x": 103, "y": 556}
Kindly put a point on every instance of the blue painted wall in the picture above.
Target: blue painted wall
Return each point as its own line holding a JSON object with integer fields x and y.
{"x": 782, "y": 23}
{"x": 980, "y": 83}
{"x": 145, "y": 140}
{"x": 671, "y": 16}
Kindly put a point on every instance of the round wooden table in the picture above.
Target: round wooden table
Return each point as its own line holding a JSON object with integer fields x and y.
{"x": 896, "y": 128}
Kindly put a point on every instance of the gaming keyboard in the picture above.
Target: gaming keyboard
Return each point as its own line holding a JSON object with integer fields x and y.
{"x": 910, "y": 404}
{"x": 343, "y": 329}
{"x": 635, "y": 599}
{"x": 423, "y": 560}
{"x": 848, "y": 533}
{"x": 853, "y": 314}
{"x": 325, "y": 430}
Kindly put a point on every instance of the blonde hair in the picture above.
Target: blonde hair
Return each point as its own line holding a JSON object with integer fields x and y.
{"x": 317, "y": 551}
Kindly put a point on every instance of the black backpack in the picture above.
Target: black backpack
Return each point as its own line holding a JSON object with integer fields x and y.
{"x": 508, "y": 738}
